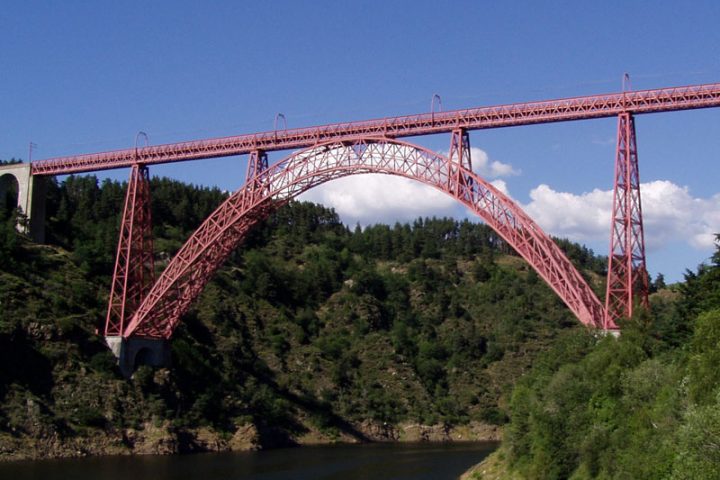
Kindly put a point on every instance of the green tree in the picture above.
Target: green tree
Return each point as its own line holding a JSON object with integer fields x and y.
{"x": 705, "y": 358}
{"x": 698, "y": 447}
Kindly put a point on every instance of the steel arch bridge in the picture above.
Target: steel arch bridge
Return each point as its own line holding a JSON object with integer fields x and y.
{"x": 189, "y": 271}
{"x": 141, "y": 309}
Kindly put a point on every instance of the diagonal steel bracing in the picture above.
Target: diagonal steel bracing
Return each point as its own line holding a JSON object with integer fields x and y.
{"x": 134, "y": 272}
{"x": 566, "y": 109}
{"x": 355, "y": 147}
{"x": 265, "y": 191}
{"x": 627, "y": 280}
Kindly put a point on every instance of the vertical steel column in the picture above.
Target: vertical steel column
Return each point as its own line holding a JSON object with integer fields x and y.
{"x": 460, "y": 158}
{"x": 257, "y": 165}
{"x": 627, "y": 271}
{"x": 134, "y": 265}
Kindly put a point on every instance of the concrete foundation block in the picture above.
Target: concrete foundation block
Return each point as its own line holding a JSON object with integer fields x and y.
{"x": 134, "y": 351}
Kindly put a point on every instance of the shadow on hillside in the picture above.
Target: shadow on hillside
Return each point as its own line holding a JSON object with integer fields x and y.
{"x": 314, "y": 407}
{"x": 310, "y": 405}
{"x": 22, "y": 364}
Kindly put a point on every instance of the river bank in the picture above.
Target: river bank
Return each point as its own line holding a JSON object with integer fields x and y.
{"x": 165, "y": 439}
{"x": 493, "y": 467}
{"x": 386, "y": 461}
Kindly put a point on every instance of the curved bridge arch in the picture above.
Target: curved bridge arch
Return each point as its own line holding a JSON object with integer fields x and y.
{"x": 211, "y": 244}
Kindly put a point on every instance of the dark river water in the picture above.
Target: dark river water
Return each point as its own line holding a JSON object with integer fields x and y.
{"x": 338, "y": 462}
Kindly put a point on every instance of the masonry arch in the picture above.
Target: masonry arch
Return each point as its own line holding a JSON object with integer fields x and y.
{"x": 20, "y": 189}
{"x": 211, "y": 244}
{"x": 9, "y": 193}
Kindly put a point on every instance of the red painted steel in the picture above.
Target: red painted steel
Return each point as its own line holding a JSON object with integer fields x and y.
{"x": 134, "y": 265}
{"x": 596, "y": 106}
{"x": 627, "y": 280}
{"x": 257, "y": 165}
{"x": 459, "y": 157}
{"x": 192, "y": 267}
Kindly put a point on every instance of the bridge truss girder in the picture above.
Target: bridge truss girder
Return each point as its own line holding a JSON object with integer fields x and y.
{"x": 268, "y": 188}
{"x": 527, "y": 113}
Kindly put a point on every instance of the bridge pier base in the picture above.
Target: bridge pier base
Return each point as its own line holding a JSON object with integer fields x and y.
{"x": 135, "y": 351}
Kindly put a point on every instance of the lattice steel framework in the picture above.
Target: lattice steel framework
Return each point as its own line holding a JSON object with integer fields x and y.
{"x": 459, "y": 158}
{"x": 224, "y": 229}
{"x": 257, "y": 166}
{"x": 134, "y": 272}
{"x": 595, "y": 106}
{"x": 186, "y": 275}
{"x": 627, "y": 281}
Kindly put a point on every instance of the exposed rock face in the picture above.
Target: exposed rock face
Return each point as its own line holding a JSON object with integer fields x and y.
{"x": 54, "y": 446}
{"x": 204, "y": 440}
{"x": 246, "y": 438}
{"x": 379, "y": 431}
{"x": 413, "y": 432}
{"x": 153, "y": 440}
{"x": 475, "y": 431}
{"x": 164, "y": 439}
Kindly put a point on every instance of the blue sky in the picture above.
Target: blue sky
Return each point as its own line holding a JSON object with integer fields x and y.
{"x": 86, "y": 76}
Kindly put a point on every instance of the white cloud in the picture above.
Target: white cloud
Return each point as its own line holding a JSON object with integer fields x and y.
{"x": 670, "y": 214}
{"x": 370, "y": 199}
{"x": 501, "y": 185}
{"x": 376, "y": 198}
{"x": 486, "y": 168}
{"x": 577, "y": 217}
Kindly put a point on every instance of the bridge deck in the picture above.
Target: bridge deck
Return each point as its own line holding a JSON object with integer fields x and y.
{"x": 578, "y": 108}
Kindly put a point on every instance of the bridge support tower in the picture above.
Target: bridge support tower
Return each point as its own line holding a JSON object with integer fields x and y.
{"x": 133, "y": 277}
{"x": 460, "y": 158}
{"x": 627, "y": 281}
